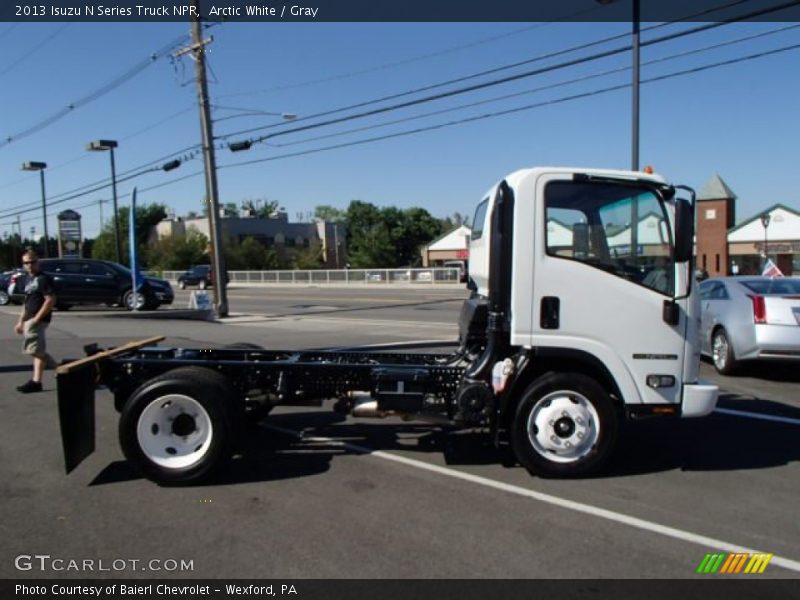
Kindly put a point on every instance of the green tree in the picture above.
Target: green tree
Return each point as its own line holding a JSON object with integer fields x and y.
{"x": 249, "y": 255}
{"x": 309, "y": 258}
{"x": 262, "y": 208}
{"x": 388, "y": 237}
{"x": 412, "y": 229}
{"x": 369, "y": 242}
{"x": 325, "y": 212}
{"x": 172, "y": 253}
{"x": 455, "y": 220}
{"x": 147, "y": 217}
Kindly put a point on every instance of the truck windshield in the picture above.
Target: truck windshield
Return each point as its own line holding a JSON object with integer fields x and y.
{"x": 621, "y": 229}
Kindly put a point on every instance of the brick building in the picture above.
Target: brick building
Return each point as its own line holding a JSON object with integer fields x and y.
{"x": 724, "y": 248}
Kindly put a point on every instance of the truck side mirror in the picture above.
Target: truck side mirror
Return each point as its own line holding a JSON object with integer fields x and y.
{"x": 684, "y": 230}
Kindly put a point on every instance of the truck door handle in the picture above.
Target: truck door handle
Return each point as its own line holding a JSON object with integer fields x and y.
{"x": 549, "y": 317}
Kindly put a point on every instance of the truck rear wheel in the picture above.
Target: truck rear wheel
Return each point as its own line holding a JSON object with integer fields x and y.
{"x": 565, "y": 426}
{"x": 177, "y": 428}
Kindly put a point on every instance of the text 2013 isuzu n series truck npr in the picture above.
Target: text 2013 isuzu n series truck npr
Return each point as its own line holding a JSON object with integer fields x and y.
{"x": 583, "y": 313}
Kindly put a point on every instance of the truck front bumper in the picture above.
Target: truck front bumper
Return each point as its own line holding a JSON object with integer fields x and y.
{"x": 699, "y": 399}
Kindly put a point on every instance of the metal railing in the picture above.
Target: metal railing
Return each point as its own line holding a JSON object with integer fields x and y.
{"x": 431, "y": 276}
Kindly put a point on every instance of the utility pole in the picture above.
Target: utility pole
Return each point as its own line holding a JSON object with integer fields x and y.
{"x": 197, "y": 51}
{"x": 635, "y": 95}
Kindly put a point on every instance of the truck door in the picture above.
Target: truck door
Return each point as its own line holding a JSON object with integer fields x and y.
{"x": 606, "y": 265}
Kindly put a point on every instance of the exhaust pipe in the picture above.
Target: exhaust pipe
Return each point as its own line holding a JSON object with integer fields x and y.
{"x": 369, "y": 410}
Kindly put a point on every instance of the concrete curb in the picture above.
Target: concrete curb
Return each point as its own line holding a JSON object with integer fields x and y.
{"x": 177, "y": 313}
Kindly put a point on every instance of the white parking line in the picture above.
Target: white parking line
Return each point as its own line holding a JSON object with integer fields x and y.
{"x": 672, "y": 532}
{"x": 752, "y": 415}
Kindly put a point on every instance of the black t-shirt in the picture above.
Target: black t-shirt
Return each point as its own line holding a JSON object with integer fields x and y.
{"x": 36, "y": 289}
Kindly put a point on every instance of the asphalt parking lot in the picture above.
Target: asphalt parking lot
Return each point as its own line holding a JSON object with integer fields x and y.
{"x": 319, "y": 495}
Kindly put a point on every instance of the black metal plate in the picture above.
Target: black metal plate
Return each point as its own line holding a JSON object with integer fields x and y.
{"x": 76, "y": 414}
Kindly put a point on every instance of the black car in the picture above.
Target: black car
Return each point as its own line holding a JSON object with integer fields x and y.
{"x": 89, "y": 281}
{"x": 200, "y": 275}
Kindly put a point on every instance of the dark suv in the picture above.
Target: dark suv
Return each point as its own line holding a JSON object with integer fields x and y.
{"x": 200, "y": 275}
{"x": 88, "y": 281}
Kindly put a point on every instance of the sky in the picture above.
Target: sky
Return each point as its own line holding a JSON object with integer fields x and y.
{"x": 738, "y": 120}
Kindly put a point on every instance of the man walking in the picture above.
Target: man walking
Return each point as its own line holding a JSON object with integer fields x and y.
{"x": 34, "y": 319}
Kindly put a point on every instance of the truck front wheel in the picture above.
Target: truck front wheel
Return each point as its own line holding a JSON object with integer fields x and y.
{"x": 565, "y": 426}
{"x": 176, "y": 428}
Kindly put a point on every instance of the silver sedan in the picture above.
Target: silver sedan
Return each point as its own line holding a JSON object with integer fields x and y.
{"x": 747, "y": 318}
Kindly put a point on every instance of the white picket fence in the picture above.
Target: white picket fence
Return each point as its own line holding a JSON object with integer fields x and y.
{"x": 431, "y": 276}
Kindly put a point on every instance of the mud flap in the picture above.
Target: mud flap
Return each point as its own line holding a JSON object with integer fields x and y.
{"x": 76, "y": 413}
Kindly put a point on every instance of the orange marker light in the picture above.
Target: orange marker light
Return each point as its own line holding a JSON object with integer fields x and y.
{"x": 649, "y": 170}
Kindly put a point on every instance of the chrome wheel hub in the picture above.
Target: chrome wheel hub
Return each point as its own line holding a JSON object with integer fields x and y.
{"x": 563, "y": 426}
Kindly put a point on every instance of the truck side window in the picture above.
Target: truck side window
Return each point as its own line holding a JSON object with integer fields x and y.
{"x": 620, "y": 229}
{"x": 480, "y": 217}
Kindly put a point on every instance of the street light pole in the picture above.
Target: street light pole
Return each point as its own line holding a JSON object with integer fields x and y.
{"x": 98, "y": 145}
{"x": 765, "y": 218}
{"x": 40, "y": 166}
{"x": 635, "y": 20}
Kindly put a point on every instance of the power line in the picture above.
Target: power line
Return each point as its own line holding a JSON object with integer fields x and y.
{"x": 98, "y": 93}
{"x": 585, "y": 59}
{"x": 53, "y": 202}
{"x": 472, "y": 119}
{"x": 414, "y": 59}
{"x": 33, "y": 50}
{"x": 540, "y": 88}
{"x": 535, "y": 59}
{"x": 192, "y": 149}
{"x": 473, "y": 44}
{"x": 85, "y": 155}
{"x": 517, "y": 109}
{"x": 8, "y": 30}
{"x": 510, "y": 78}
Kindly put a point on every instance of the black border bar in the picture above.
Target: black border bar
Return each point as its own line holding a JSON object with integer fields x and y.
{"x": 276, "y": 11}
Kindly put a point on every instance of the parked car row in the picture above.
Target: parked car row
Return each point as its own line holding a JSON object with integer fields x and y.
{"x": 88, "y": 281}
{"x": 7, "y": 285}
{"x": 749, "y": 318}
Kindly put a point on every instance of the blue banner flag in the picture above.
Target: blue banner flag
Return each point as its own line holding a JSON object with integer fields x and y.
{"x": 138, "y": 280}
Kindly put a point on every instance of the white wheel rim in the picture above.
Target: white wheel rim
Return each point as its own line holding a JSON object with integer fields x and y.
{"x": 563, "y": 426}
{"x": 720, "y": 351}
{"x": 3, "y": 297}
{"x": 174, "y": 431}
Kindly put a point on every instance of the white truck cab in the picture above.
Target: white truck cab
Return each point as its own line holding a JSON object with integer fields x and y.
{"x": 592, "y": 275}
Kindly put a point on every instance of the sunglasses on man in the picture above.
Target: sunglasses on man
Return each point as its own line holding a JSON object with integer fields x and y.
{"x": 29, "y": 262}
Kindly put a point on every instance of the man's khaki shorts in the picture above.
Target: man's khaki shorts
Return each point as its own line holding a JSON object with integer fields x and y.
{"x": 34, "y": 341}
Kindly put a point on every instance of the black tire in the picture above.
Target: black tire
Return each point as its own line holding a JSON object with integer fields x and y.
{"x": 63, "y": 306}
{"x": 4, "y": 299}
{"x": 722, "y": 353}
{"x": 182, "y": 284}
{"x": 199, "y": 406}
{"x": 565, "y": 426}
{"x": 203, "y": 284}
